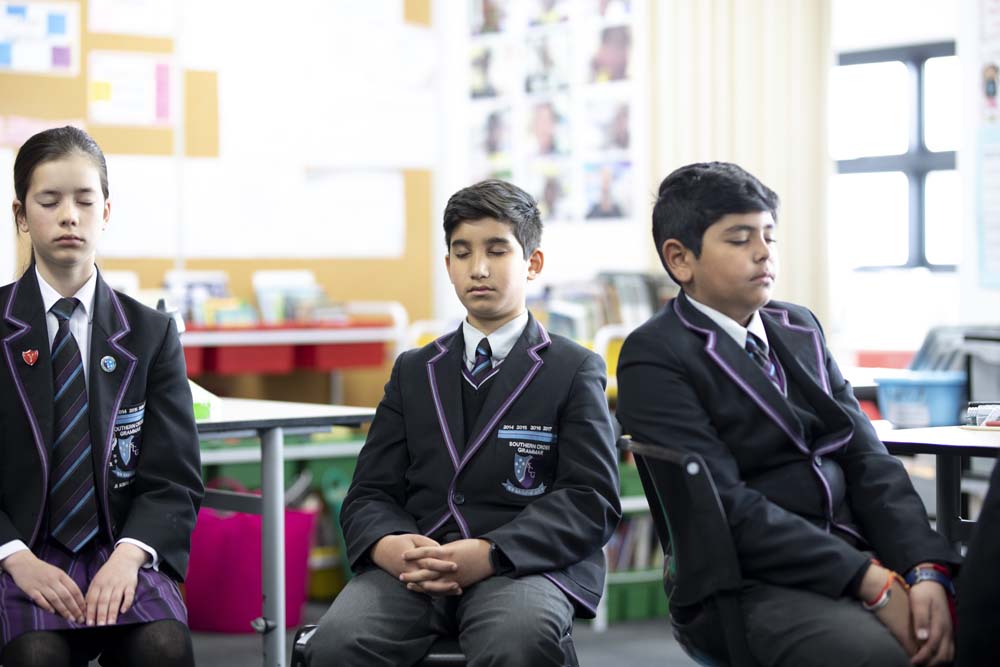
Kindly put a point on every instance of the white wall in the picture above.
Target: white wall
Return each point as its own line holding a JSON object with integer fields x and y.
{"x": 870, "y": 24}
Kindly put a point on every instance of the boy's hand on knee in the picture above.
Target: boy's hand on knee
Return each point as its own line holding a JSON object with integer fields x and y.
{"x": 932, "y": 624}
{"x": 48, "y": 587}
{"x": 112, "y": 590}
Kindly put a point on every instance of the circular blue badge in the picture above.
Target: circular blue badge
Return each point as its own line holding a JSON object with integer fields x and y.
{"x": 108, "y": 364}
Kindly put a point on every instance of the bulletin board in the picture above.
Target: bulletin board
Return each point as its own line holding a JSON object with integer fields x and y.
{"x": 32, "y": 101}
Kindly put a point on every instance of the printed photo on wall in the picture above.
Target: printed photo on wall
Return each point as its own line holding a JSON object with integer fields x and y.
{"x": 611, "y": 51}
{"x": 991, "y": 77}
{"x": 606, "y": 125}
{"x": 491, "y": 141}
{"x": 487, "y": 16}
{"x": 490, "y": 70}
{"x": 548, "y": 127}
{"x": 550, "y": 184}
{"x": 547, "y": 64}
{"x": 543, "y": 12}
{"x": 613, "y": 10}
{"x": 607, "y": 189}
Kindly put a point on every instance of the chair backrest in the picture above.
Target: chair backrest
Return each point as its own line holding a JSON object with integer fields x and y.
{"x": 422, "y": 332}
{"x": 608, "y": 342}
{"x": 689, "y": 520}
{"x": 701, "y": 564}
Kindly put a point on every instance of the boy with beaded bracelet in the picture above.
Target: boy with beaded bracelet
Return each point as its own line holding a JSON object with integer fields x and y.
{"x": 810, "y": 493}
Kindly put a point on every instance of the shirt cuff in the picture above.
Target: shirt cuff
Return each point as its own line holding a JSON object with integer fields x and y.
{"x": 154, "y": 559}
{"x": 11, "y": 548}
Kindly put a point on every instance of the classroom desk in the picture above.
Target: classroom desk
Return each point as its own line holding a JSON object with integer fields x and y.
{"x": 948, "y": 444}
{"x": 268, "y": 420}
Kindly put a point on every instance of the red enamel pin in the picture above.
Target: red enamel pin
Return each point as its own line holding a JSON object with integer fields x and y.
{"x": 30, "y": 357}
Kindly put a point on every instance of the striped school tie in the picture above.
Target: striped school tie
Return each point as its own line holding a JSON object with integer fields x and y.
{"x": 72, "y": 502}
{"x": 755, "y": 348}
{"x": 483, "y": 363}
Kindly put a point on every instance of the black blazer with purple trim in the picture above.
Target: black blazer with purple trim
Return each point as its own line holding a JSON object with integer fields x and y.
{"x": 538, "y": 474}
{"x": 801, "y": 510}
{"x": 146, "y": 457}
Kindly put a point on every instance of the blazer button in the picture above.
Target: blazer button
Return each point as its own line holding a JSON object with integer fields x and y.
{"x": 818, "y": 460}
{"x": 458, "y": 498}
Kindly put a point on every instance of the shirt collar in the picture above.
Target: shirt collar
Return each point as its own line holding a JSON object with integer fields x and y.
{"x": 736, "y": 331}
{"x": 501, "y": 341}
{"x": 85, "y": 294}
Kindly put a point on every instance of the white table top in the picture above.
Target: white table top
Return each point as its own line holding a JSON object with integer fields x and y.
{"x": 941, "y": 440}
{"x": 241, "y": 414}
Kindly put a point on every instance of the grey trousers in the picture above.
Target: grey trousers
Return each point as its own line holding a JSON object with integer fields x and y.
{"x": 499, "y": 621}
{"x": 787, "y": 627}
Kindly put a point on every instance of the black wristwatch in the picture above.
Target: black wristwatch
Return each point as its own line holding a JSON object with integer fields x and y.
{"x": 498, "y": 559}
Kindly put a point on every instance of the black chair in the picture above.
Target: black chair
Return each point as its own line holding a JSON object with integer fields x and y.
{"x": 701, "y": 572}
{"x": 445, "y": 652}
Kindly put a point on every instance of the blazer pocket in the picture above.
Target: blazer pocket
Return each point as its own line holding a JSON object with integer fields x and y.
{"x": 126, "y": 446}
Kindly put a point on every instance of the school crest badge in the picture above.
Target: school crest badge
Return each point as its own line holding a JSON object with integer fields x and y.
{"x": 524, "y": 474}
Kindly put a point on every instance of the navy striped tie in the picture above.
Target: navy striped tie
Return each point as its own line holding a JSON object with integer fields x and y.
{"x": 72, "y": 503}
{"x": 755, "y": 348}
{"x": 483, "y": 363}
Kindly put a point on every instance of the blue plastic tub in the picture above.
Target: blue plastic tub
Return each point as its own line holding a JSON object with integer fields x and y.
{"x": 922, "y": 398}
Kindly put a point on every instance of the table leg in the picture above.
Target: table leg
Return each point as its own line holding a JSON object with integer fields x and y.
{"x": 336, "y": 387}
{"x": 949, "y": 491}
{"x": 273, "y": 545}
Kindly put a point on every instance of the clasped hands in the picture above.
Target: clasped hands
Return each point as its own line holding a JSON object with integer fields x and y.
{"x": 919, "y": 619}
{"x": 111, "y": 591}
{"x": 426, "y": 566}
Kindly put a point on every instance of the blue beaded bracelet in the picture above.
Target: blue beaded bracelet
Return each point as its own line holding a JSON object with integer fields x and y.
{"x": 918, "y": 574}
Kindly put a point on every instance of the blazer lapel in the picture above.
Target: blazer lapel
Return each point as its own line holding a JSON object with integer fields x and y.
{"x": 108, "y": 380}
{"x": 800, "y": 350}
{"x": 517, "y": 370}
{"x": 741, "y": 369}
{"x": 444, "y": 374}
{"x": 29, "y": 361}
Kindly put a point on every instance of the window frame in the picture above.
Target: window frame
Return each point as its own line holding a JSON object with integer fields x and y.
{"x": 917, "y": 161}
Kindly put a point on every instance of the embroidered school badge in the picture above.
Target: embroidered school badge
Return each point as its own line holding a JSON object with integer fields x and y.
{"x": 127, "y": 445}
{"x": 30, "y": 356}
{"x": 524, "y": 473}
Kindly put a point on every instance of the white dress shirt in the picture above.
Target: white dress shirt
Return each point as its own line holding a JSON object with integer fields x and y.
{"x": 501, "y": 341}
{"x": 736, "y": 331}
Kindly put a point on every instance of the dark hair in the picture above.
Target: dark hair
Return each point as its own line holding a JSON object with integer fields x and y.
{"x": 694, "y": 197}
{"x": 51, "y": 145}
{"x": 501, "y": 201}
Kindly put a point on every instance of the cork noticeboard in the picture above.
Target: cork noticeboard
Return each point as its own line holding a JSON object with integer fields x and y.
{"x": 30, "y": 100}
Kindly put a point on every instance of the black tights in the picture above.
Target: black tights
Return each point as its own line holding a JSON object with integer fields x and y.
{"x": 156, "y": 644}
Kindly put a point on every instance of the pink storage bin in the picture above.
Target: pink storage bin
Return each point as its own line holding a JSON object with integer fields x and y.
{"x": 223, "y": 585}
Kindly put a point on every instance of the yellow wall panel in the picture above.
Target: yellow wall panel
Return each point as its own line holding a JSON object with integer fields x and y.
{"x": 96, "y": 42}
{"x": 133, "y": 140}
{"x": 417, "y": 11}
{"x": 201, "y": 114}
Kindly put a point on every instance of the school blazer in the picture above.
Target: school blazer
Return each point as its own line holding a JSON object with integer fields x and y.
{"x": 802, "y": 511}
{"x": 145, "y": 446}
{"x": 537, "y": 475}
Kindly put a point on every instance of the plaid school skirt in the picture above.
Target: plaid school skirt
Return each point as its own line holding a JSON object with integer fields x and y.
{"x": 157, "y": 597}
